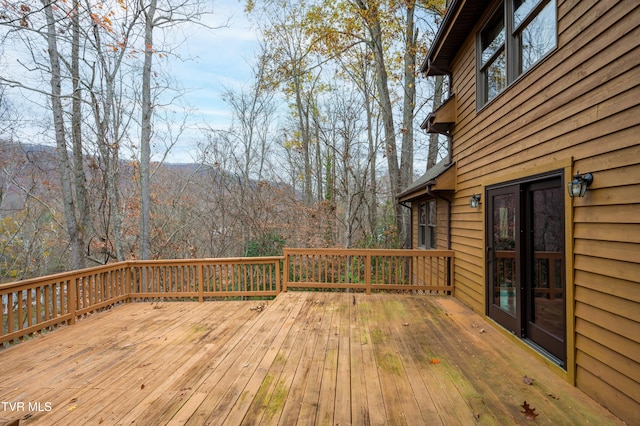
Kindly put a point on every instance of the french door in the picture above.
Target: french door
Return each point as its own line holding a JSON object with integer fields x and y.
{"x": 525, "y": 261}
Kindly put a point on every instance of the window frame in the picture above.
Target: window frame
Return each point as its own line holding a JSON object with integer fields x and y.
{"x": 422, "y": 225}
{"x": 432, "y": 213}
{"x": 427, "y": 237}
{"x": 505, "y": 10}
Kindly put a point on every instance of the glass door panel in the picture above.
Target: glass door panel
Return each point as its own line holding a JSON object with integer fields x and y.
{"x": 502, "y": 253}
{"x": 545, "y": 286}
{"x": 504, "y": 249}
{"x": 525, "y": 262}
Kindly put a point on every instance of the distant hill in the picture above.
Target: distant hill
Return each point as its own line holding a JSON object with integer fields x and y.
{"x": 33, "y": 167}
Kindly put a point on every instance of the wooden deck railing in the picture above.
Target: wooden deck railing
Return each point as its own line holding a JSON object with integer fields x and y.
{"x": 367, "y": 270}
{"x": 40, "y": 304}
{"x": 205, "y": 279}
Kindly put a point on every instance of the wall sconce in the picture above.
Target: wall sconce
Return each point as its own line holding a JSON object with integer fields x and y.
{"x": 474, "y": 202}
{"x": 578, "y": 186}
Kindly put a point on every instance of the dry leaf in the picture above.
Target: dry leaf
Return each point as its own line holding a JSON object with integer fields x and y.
{"x": 406, "y": 324}
{"x": 435, "y": 361}
{"x": 73, "y": 407}
{"x": 142, "y": 386}
{"x": 261, "y": 307}
{"x": 529, "y": 413}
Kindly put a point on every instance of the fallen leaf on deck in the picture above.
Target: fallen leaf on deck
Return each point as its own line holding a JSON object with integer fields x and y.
{"x": 142, "y": 386}
{"x": 73, "y": 400}
{"x": 73, "y": 407}
{"x": 261, "y": 307}
{"x": 529, "y": 413}
{"x": 527, "y": 380}
{"x": 435, "y": 361}
{"x": 406, "y": 324}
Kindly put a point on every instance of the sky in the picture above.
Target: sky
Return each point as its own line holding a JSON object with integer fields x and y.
{"x": 212, "y": 61}
{"x": 215, "y": 60}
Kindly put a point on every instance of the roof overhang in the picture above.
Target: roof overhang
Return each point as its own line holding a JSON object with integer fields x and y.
{"x": 458, "y": 22}
{"x": 440, "y": 178}
{"x": 443, "y": 119}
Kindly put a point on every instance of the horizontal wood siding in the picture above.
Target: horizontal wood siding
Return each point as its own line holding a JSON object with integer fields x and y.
{"x": 578, "y": 109}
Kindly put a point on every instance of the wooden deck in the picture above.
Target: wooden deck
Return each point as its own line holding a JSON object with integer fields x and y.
{"x": 306, "y": 358}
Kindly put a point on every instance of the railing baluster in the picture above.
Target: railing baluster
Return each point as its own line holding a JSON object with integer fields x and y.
{"x": 11, "y": 325}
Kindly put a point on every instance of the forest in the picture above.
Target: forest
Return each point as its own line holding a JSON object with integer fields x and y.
{"x": 319, "y": 143}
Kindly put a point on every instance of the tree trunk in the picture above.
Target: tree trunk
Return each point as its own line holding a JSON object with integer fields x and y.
{"x": 391, "y": 151}
{"x": 372, "y": 196}
{"x": 83, "y": 212}
{"x": 406, "y": 158}
{"x": 145, "y": 135}
{"x": 64, "y": 164}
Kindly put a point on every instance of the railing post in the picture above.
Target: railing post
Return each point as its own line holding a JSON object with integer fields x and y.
{"x": 285, "y": 273}
{"x": 367, "y": 272}
{"x": 451, "y": 274}
{"x": 128, "y": 280}
{"x": 72, "y": 298}
{"x": 278, "y": 277}
{"x": 200, "y": 282}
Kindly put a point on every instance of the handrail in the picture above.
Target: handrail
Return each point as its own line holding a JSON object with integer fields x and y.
{"x": 40, "y": 304}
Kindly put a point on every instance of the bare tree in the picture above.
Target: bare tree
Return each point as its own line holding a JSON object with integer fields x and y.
{"x": 157, "y": 16}
{"x": 145, "y": 130}
{"x": 253, "y": 112}
{"x": 292, "y": 66}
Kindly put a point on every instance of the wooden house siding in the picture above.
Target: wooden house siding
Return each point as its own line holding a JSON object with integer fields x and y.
{"x": 576, "y": 110}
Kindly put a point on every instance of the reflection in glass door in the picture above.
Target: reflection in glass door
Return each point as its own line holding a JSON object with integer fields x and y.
{"x": 525, "y": 262}
{"x": 501, "y": 257}
{"x": 545, "y": 285}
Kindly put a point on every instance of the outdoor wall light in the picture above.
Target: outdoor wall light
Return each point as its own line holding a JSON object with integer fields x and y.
{"x": 474, "y": 202}
{"x": 578, "y": 186}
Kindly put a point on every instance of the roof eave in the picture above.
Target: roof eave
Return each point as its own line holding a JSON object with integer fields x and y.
{"x": 458, "y": 22}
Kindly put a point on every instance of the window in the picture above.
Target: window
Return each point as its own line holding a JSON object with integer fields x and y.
{"x": 422, "y": 225}
{"x": 517, "y": 36}
{"x": 493, "y": 62}
{"x": 431, "y": 224}
{"x": 427, "y": 225}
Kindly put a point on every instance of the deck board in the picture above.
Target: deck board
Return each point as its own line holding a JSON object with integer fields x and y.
{"x": 308, "y": 358}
